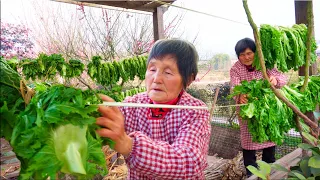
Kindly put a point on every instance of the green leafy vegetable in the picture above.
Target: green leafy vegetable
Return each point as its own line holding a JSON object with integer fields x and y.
{"x": 58, "y": 127}
{"x": 267, "y": 116}
{"x": 284, "y": 47}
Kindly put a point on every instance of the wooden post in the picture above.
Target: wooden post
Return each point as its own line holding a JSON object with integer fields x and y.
{"x": 301, "y": 14}
{"x": 158, "y": 28}
{"x": 301, "y": 18}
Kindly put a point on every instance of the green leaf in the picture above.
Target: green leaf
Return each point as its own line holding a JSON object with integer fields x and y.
{"x": 278, "y": 167}
{"x": 304, "y": 167}
{"x": 264, "y": 167}
{"x": 315, "y": 151}
{"x": 297, "y": 174}
{"x": 315, "y": 171}
{"x": 305, "y": 146}
{"x": 70, "y": 146}
{"x": 44, "y": 161}
{"x": 311, "y": 178}
{"x": 95, "y": 155}
{"x": 248, "y": 110}
{"x": 314, "y": 161}
{"x": 309, "y": 137}
{"x": 256, "y": 172}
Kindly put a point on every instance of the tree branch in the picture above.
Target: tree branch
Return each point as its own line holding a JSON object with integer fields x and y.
{"x": 83, "y": 82}
{"x": 309, "y": 37}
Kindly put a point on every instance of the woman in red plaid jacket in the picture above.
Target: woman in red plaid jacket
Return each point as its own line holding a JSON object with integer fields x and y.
{"x": 162, "y": 143}
{"x": 243, "y": 70}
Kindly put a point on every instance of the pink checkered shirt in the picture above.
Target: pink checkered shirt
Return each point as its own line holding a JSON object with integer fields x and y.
{"x": 240, "y": 73}
{"x": 174, "y": 147}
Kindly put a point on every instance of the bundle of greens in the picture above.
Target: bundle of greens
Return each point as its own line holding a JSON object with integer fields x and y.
{"x": 268, "y": 118}
{"x": 284, "y": 47}
{"x": 311, "y": 93}
{"x": 109, "y": 73}
{"x": 13, "y": 63}
{"x": 44, "y": 66}
{"x": 11, "y": 101}
{"x": 58, "y": 127}
{"x": 74, "y": 68}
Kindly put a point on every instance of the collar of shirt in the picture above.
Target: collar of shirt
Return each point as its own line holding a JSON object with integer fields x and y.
{"x": 158, "y": 113}
{"x": 249, "y": 68}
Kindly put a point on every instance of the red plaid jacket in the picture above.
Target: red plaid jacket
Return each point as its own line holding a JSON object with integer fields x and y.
{"x": 174, "y": 147}
{"x": 240, "y": 73}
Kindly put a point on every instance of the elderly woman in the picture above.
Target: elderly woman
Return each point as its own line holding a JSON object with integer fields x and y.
{"x": 243, "y": 70}
{"x": 162, "y": 143}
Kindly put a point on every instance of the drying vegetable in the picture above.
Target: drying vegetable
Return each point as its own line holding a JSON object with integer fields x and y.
{"x": 107, "y": 73}
{"x": 267, "y": 116}
{"x": 284, "y": 47}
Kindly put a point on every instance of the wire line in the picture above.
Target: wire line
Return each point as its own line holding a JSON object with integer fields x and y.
{"x": 204, "y": 13}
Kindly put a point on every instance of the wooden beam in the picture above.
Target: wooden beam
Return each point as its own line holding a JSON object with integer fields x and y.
{"x": 99, "y": 5}
{"x": 301, "y": 18}
{"x": 140, "y": 5}
{"x": 158, "y": 28}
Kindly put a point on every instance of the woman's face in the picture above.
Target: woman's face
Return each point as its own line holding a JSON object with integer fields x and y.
{"x": 246, "y": 57}
{"x": 163, "y": 80}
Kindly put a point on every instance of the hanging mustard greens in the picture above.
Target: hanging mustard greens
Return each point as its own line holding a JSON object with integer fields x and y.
{"x": 104, "y": 73}
{"x": 108, "y": 73}
{"x": 267, "y": 116}
{"x": 48, "y": 66}
{"x": 284, "y": 47}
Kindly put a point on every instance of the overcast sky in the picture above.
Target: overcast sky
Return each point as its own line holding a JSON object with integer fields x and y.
{"x": 217, "y": 35}
{"x": 213, "y": 35}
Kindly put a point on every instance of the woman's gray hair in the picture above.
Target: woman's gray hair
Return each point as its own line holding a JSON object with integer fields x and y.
{"x": 185, "y": 53}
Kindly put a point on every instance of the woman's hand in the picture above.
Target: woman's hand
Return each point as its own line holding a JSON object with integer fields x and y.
{"x": 273, "y": 80}
{"x": 242, "y": 99}
{"x": 112, "y": 123}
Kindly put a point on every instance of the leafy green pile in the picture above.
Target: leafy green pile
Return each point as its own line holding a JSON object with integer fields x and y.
{"x": 58, "y": 127}
{"x": 55, "y": 133}
{"x": 11, "y": 102}
{"x": 284, "y": 47}
{"x": 268, "y": 118}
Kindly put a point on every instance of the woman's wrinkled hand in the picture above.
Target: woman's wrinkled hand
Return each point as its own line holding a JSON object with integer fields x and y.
{"x": 242, "y": 99}
{"x": 273, "y": 80}
{"x": 112, "y": 123}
